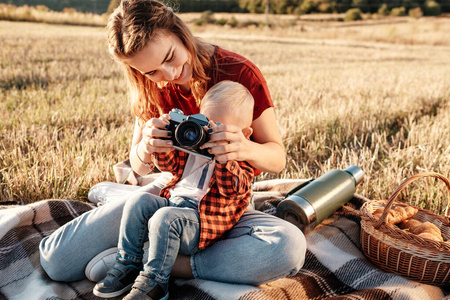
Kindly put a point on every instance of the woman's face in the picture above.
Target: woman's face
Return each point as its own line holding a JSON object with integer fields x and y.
{"x": 164, "y": 58}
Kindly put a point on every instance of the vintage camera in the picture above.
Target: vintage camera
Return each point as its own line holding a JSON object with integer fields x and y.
{"x": 188, "y": 133}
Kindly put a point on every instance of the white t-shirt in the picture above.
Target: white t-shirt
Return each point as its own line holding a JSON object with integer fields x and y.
{"x": 194, "y": 182}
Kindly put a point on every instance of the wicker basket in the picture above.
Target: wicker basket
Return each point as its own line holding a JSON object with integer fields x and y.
{"x": 398, "y": 251}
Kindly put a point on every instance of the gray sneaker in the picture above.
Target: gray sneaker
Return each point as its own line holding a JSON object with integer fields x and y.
{"x": 97, "y": 267}
{"x": 145, "y": 287}
{"x": 118, "y": 280}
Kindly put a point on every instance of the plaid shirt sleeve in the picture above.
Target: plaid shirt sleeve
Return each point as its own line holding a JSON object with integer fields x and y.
{"x": 233, "y": 178}
{"x": 166, "y": 161}
{"x": 226, "y": 201}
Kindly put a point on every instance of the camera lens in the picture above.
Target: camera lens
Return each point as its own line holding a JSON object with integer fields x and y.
{"x": 190, "y": 135}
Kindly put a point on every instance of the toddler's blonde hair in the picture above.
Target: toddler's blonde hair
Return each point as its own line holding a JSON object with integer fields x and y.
{"x": 231, "y": 98}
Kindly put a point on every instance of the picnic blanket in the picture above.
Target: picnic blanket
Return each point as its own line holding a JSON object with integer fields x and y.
{"x": 335, "y": 266}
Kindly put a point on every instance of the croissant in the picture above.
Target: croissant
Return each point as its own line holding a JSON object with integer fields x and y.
{"x": 423, "y": 229}
{"x": 410, "y": 223}
{"x": 427, "y": 227}
{"x": 430, "y": 236}
{"x": 397, "y": 214}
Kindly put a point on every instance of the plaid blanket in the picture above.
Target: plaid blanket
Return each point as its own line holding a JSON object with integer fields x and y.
{"x": 335, "y": 267}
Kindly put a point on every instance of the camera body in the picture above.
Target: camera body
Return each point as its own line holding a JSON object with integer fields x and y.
{"x": 188, "y": 133}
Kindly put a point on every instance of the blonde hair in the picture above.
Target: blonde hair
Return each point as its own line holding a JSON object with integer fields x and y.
{"x": 233, "y": 99}
{"x": 130, "y": 27}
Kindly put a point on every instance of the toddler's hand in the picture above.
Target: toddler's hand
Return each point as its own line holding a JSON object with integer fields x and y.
{"x": 226, "y": 142}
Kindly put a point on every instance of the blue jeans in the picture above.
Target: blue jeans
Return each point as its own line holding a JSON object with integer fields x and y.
{"x": 169, "y": 230}
{"x": 258, "y": 249}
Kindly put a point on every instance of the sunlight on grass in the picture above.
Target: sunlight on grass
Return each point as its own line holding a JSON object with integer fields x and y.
{"x": 340, "y": 100}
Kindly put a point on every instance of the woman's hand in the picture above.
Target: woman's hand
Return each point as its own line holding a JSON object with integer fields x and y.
{"x": 227, "y": 142}
{"x": 156, "y": 136}
{"x": 153, "y": 137}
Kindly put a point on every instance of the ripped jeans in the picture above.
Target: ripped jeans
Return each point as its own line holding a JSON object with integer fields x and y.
{"x": 258, "y": 249}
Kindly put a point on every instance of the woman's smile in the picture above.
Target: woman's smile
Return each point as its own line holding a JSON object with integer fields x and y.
{"x": 180, "y": 76}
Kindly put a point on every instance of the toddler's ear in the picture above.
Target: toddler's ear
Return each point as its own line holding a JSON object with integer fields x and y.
{"x": 247, "y": 131}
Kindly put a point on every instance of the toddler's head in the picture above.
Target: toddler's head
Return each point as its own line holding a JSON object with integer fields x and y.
{"x": 230, "y": 103}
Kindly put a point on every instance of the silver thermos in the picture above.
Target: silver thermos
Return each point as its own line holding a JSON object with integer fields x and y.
{"x": 315, "y": 200}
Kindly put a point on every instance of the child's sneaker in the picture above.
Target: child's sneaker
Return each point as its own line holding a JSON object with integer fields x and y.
{"x": 146, "y": 287}
{"x": 118, "y": 280}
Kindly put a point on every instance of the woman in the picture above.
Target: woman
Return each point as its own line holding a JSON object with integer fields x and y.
{"x": 167, "y": 67}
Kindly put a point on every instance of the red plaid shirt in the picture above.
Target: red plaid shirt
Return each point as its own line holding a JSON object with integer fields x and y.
{"x": 227, "y": 198}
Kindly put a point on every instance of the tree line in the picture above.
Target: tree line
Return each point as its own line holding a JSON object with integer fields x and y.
{"x": 433, "y": 7}
{"x": 92, "y": 6}
{"x": 342, "y": 6}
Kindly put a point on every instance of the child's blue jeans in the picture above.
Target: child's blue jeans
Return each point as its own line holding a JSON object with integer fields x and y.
{"x": 166, "y": 228}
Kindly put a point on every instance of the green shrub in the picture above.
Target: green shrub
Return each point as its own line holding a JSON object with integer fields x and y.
{"x": 251, "y": 23}
{"x": 233, "y": 22}
{"x": 290, "y": 10}
{"x": 307, "y": 6}
{"x": 398, "y": 11}
{"x": 199, "y": 22}
{"x": 353, "y": 14}
{"x": 432, "y": 8}
{"x": 374, "y": 16}
{"x": 383, "y": 10}
{"x": 221, "y": 21}
{"x": 205, "y": 18}
{"x": 208, "y": 16}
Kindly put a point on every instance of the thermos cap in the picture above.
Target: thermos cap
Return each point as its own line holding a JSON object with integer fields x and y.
{"x": 356, "y": 172}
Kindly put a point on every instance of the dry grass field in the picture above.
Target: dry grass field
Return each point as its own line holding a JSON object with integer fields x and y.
{"x": 372, "y": 94}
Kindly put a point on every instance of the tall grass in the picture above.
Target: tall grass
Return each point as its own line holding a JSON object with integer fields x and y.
{"x": 384, "y": 107}
{"x": 65, "y": 114}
